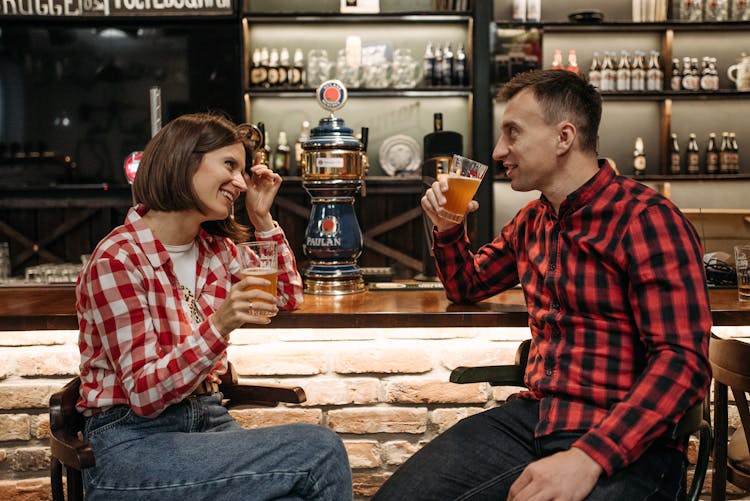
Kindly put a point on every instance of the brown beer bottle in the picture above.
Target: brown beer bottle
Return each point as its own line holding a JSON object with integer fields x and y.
{"x": 692, "y": 156}
{"x": 725, "y": 154}
{"x": 712, "y": 155}
{"x": 674, "y": 156}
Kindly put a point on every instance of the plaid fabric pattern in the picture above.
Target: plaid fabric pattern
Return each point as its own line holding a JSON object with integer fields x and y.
{"x": 618, "y": 310}
{"x": 138, "y": 346}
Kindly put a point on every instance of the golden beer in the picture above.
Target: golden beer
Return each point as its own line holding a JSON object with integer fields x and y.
{"x": 266, "y": 274}
{"x": 460, "y": 192}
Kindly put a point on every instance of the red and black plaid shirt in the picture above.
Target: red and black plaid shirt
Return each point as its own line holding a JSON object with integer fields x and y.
{"x": 137, "y": 342}
{"x": 618, "y": 310}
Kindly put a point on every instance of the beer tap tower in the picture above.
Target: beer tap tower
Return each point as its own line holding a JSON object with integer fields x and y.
{"x": 333, "y": 165}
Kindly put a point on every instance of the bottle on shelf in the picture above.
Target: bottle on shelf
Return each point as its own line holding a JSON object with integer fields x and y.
{"x": 273, "y": 67}
{"x": 257, "y": 71}
{"x": 623, "y": 72}
{"x": 638, "y": 73}
{"x": 519, "y": 11}
{"x": 725, "y": 154}
{"x": 654, "y": 73}
{"x": 692, "y": 156}
{"x": 740, "y": 10}
{"x": 639, "y": 158}
{"x": 281, "y": 156}
{"x": 691, "y": 10}
{"x": 735, "y": 153}
{"x": 716, "y": 11}
{"x": 264, "y": 56}
{"x": 557, "y": 61}
{"x": 304, "y": 135}
{"x": 264, "y": 153}
{"x": 437, "y": 66}
{"x": 461, "y": 75}
{"x": 572, "y": 65}
{"x": 595, "y": 72}
{"x": 675, "y": 160}
{"x": 609, "y": 73}
{"x": 687, "y": 75}
{"x": 283, "y": 67}
{"x": 533, "y": 11}
{"x": 296, "y": 75}
{"x": 448, "y": 65}
{"x": 712, "y": 155}
{"x": 675, "y": 82}
{"x": 428, "y": 68}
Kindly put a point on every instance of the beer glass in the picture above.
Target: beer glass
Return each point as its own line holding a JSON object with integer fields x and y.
{"x": 741, "y": 255}
{"x": 258, "y": 259}
{"x": 463, "y": 176}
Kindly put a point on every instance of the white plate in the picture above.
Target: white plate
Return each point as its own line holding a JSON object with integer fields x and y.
{"x": 400, "y": 155}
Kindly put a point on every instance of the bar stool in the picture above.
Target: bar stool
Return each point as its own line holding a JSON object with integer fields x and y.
{"x": 730, "y": 363}
{"x": 695, "y": 421}
{"x": 69, "y": 451}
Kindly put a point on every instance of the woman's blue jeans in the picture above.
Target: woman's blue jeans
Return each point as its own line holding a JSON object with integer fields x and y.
{"x": 481, "y": 456}
{"x": 194, "y": 450}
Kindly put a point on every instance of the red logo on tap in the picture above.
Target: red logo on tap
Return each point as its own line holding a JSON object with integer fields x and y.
{"x": 329, "y": 226}
{"x": 332, "y": 95}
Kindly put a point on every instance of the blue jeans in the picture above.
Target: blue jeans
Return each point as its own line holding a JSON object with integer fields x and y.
{"x": 195, "y": 450}
{"x": 481, "y": 456}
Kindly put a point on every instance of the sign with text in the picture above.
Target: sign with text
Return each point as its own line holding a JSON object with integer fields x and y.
{"x": 114, "y": 8}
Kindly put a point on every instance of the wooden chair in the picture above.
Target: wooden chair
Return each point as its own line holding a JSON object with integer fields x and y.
{"x": 730, "y": 362}
{"x": 696, "y": 420}
{"x": 66, "y": 425}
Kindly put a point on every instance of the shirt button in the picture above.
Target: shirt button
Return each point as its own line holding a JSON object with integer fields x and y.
{"x": 548, "y": 372}
{"x": 555, "y": 306}
{"x": 552, "y": 267}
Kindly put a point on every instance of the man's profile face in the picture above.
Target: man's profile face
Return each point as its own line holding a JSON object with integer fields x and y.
{"x": 527, "y": 145}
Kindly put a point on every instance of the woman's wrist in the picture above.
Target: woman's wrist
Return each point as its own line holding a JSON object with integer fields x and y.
{"x": 265, "y": 223}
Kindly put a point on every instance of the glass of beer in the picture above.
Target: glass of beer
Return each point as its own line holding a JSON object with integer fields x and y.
{"x": 463, "y": 176}
{"x": 741, "y": 256}
{"x": 258, "y": 259}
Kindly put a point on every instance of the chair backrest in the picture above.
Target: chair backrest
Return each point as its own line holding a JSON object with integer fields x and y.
{"x": 66, "y": 425}
{"x": 730, "y": 363}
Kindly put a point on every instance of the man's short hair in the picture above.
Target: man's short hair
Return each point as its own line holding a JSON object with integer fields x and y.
{"x": 563, "y": 96}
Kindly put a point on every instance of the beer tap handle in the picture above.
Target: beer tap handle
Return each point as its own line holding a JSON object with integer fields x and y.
{"x": 365, "y": 132}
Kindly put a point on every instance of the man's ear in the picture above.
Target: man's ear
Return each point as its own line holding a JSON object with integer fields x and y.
{"x": 566, "y": 136}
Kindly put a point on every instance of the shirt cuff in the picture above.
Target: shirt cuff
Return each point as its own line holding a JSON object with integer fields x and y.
{"x": 276, "y": 230}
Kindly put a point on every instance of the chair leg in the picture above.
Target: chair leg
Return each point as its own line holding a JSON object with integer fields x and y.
{"x": 75, "y": 485}
{"x": 55, "y": 476}
{"x": 719, "y": 479}
{"x": 701, "y": 466}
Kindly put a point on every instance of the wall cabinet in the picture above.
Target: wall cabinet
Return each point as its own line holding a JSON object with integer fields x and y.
{"x": 390, "y": 213}
{"x": 650, "y": 115}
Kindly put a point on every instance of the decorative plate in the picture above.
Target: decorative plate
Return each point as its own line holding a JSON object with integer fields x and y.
{"x": 400, "y": 155}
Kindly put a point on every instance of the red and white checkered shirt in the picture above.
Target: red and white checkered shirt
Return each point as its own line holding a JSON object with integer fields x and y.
{"x": 138, "y": 346}
{"x": 618, "y": 310}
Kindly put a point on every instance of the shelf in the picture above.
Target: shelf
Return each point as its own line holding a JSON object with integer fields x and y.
{"x": 359, "y": 18}
{"x": 666, "y": 178}
{"x": 682, "y": 95}
{"x": 414, "y": 93}
{"x": 628, "y": 26}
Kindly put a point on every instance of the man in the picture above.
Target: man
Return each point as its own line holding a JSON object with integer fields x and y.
{"x": 618, "y": 311}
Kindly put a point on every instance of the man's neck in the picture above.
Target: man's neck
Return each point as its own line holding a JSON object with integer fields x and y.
{"x": 575, "y": 169}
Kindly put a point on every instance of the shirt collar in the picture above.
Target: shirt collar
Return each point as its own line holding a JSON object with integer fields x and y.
{"x": 587, "y": 191}
{"x": 144, "y": 237}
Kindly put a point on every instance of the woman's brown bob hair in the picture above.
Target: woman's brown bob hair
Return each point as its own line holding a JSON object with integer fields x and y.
{"x": 165, "y": 176}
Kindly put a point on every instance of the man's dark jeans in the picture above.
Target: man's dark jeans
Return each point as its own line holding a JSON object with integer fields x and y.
{"x": 481, "y": 456}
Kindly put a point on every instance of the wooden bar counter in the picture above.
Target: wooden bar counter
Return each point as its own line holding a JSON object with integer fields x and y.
{"x": 40, "y": 307}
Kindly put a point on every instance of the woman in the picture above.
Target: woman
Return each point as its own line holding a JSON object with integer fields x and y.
{"x": 156, "y": 304}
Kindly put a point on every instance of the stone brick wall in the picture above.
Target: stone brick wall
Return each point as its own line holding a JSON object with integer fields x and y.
{"x": 384, "y": 391}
